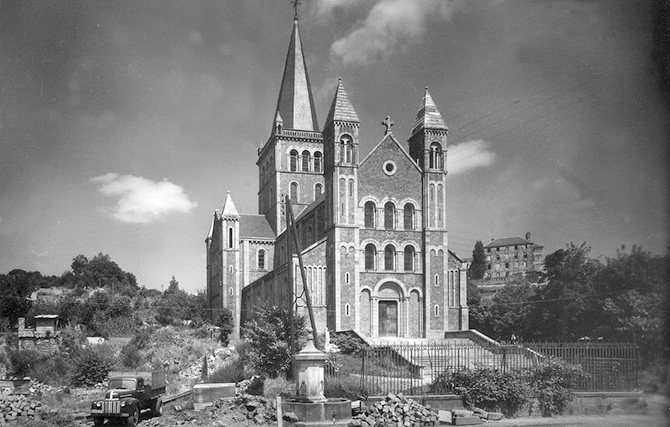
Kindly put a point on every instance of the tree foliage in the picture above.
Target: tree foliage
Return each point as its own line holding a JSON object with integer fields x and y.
{"x": 226, "y": 322}
{"x": 269, "y": 336}
{"x": 624, "y": 299}
{"x": 478, "y": 265}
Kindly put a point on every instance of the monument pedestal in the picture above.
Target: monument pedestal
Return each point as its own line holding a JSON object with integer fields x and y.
{"x": 310, "y": 405}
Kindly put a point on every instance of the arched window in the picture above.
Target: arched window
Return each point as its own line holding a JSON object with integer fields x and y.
{"x": 306, "y": 159}
{"x": 346, "y": 149}
{"x": 436, "y": 310}
{"x": 261, "y": 259}
{"x": 409, "y": 258}
{"x": 370, "y": 214}
{"x": 346, "y": 277}
{"x": 435, "y": 160}
{"x": 318, "y": 189}
{"x": 230, "y": 238}
{"x": 347, "y": 309}
{"x": 389, "y": 258}
{"x": 317, "y": 162}
{"x": 293, "y": 194}
{"x": 389, "y": 215}
{"x": 293, "y": 160}
{"x": 408, "y": 216}
{"x": 370, "y": 255}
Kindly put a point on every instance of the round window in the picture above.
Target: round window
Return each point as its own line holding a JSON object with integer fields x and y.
{"x": 390, "y": 167}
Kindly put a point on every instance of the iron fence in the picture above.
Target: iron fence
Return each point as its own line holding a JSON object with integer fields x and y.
{"x": 412, "y": 368}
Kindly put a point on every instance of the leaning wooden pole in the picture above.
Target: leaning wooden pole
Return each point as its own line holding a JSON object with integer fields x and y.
{"x": 291, "y": 310}
{"x": 308, "y": 299}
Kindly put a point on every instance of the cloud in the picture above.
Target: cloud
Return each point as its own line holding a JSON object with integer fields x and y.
{"x": 390, "y": 25}
{"x": 142, "y": 200}
{"x": 325, "y": 7}
{"x": 468, "y": 155}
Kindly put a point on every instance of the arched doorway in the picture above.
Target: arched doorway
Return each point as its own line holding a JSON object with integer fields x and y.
{"x": 389, "y": 296}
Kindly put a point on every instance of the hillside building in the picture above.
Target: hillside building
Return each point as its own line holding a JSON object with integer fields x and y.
{"x": 512, "y": 255}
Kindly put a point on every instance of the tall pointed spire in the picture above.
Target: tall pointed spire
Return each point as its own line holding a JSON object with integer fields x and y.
{"x": 229, "y": 209}
{"x": 428, "y": 116}
{"x": 341, "y": 108}
{"x": 295, "y": 104}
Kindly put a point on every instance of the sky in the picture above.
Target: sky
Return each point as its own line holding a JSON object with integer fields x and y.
{"x": 124, "y": 124}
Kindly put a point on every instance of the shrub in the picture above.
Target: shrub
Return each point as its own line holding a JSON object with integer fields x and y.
{"x": 55, "y": 370}
{"x": 91, "y": 366}
{"x": 256, "y": 386}
{"x": 278, "y": 387}
{"x": 552, "y": 383}
{"x": 226, "y": 322}
{"x": 131, "y": 356}
{"x": 346, "y": 387}
{"x": 231, "y": 373}
{"x": 487, "y": 388}
{"x": 268, "y": 334}
{"x": 348, "y": 344}
{"x": 23, "y": 362}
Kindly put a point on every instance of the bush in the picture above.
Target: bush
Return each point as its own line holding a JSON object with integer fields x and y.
{"x": 23, "y": 362}
{"x": 225, "y": 321}
{"x": 91, "y": 366}
{"x": 345, "y": 387}
{"x": 486, "y": 388}
{"x": 268, "y": 335}
{"x": 552, "y": 383}
{"x": 231, "y": 373}
{"x": 278, "y": 387}
{"x": 55, "y": 370}
{"x": 131, "y": 356}
{"x": 348, "y": 344}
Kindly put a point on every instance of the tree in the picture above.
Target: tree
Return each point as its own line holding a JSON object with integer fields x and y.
{"x": 506, "y": 315}
{"x": 564, "y": 308}
{"x": 632, "y": 295}
{"x": 269, "y": 335}
{"x": 478, "y": 265}
{"x": 173, "y": 286}
{"x": 226, "y": 322}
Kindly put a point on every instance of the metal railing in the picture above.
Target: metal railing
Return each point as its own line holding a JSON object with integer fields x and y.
{"x": 412, "y": 367}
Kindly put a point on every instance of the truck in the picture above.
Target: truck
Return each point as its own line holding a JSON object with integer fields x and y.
{"x": 127, "y": 395}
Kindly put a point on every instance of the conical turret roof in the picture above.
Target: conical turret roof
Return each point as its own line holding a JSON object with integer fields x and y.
{"x": 429, "y": 116}
{"x": 341, "y": 108}
{"x": 229, "y": 210}
{"x": 295, "y": 104}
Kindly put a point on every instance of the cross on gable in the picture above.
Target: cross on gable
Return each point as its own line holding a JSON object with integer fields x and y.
{"x": 295, "y": 4}
{"x": 388, "y": 123}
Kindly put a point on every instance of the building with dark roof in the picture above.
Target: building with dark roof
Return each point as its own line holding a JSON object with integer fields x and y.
{"x": 372, "y": 229}
{"x": 512, "y": 255}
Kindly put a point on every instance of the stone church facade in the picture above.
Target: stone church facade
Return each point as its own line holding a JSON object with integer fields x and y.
{"x": 372, "y": 228}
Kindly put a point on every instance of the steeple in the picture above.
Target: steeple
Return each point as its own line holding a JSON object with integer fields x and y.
{"x": 229, "y": 209}
{"x": 295, "y": 104}
{"x": 341, "y": 108}
{"x": 428, "y": 116}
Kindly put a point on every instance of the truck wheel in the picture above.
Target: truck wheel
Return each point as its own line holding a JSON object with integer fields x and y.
{"x": 134, "y": 418}
{"x": 98, "y": 421}
{"x": 157, "y": 410}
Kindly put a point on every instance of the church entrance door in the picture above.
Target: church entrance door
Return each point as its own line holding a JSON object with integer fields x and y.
{"x": 388, "y": 318}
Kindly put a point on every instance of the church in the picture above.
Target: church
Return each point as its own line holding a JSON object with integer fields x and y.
{"x": 372, "y": 228}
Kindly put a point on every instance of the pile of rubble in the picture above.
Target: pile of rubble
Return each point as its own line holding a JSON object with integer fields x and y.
{"x": 14, "y": 406}
{"x": 395, "y": 410}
